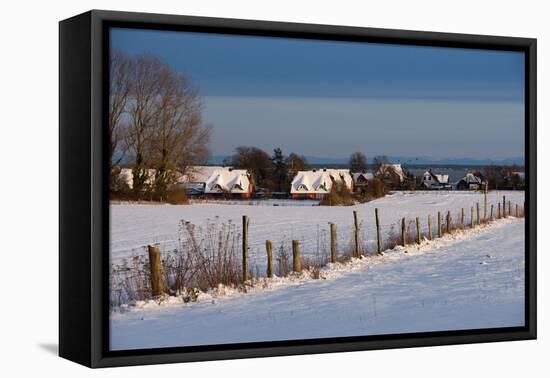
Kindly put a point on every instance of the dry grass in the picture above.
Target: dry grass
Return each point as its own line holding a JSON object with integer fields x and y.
{"x": 393, "y": 239}
{"x": 206, "y": 258}
{"x": 339, "y": 196}
{"x": 210, "y": 256}
{"x": 282, "y": 261}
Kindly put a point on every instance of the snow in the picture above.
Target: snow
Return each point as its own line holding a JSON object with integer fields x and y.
{"x": 470, "y": 178}
{"x": 366, "y": 175}
{"x": 468, "y": 280}
{"x": 319, "y": 181}
{"x": 135, "y": 226}
{"x": 228, "y": 180}
{"x": 201, "y": 173}
{"x": 394, "y": 168}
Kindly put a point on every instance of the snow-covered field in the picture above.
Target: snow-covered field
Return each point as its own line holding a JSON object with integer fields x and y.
{"x": 135, "y": 226}
{"x": 468, "y": 280}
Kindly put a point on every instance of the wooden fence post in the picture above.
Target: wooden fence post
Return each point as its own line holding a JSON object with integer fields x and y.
{"x": 245, "y": 247}
{"x": 504, "y": 206}
{"x": 509, "y": 208}
{"x": 517, "y": 210}
{"x": 403, "y": 233}
{"x": 269, "y": 250}
{"x": 297, "y": 262}
{"x": 438, "y": 224}
{"x": 498, "y": 213}
{"x": 448, "y": 222}
{"x": 491, "y": 216}
{"x": 418, "y": 235}
{"x": 156, "y": 278}
{"x": 333, "y": 243}
{"x": 430, "y": 234}
{"x": 485, "y": 201}
{"x": 477, "y": 208}
{"x": 472, "y": 217}
{"x": 462, "y": 218}
{"x": 378, "y": 239}
{"x": 357, "y": 248}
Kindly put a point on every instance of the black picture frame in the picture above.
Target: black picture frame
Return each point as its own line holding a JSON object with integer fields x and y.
{"x": 83, "y": 196}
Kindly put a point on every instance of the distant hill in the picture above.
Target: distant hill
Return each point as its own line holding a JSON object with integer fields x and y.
{"x": 423, "y": 161}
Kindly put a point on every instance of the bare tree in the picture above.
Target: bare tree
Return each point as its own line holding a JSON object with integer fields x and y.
{"x": 358, "y": 162}
{"x": 120, "y": 74}
{"x": 256, "y": 161}
{"x": 179, "y": 138}
{"x": 143, "y": 110}
{"x": 163, "y": 132}
{"x": 380, "y": 165}
{"x": 296, "y": 163}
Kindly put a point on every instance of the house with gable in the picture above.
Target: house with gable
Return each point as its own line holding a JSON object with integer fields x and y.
{"x": 317, "y": 183}
{"x": 393, "y": 175}
{"x": 361, "y": 180}
{"x": 471, "y": 181}
{"x": 235, "y": 182}
{"x": 431, "y": 180}
{"x": 195, "y": 178}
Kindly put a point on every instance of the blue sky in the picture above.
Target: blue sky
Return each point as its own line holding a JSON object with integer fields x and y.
{"x": 324, "y": 98}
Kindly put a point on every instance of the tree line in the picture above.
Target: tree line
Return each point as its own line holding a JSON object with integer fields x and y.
{"x": 155, "y": 124}
{"x": 274, "y": 172}
{"x": 503, "y": 177}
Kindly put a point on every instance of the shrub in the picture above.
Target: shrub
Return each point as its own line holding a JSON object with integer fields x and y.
{"x": 376, "y": 188}
{"x": 339, "y": 195}
{"x": 206, "y": 258}
{"x": 283, "y": 261}
{"x": 177, "y": 196}
{"x": 393, "y": 239}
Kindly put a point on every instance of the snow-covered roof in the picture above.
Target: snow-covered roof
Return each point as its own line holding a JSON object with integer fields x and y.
{"x": 200, "y": 173}
{"x": 320, "y": 180}
{"x": 228, "y": 180}
{"x": 443, "y": 179}
{"x": 365, "y": 175}
{"x": 432, "y": 180}
{"x": 343, "y": 175}
{"x": 395, "y": 168}
{"x": 470, "y": 178}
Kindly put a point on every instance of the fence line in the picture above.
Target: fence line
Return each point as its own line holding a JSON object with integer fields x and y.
{"x": 329, "y": 246}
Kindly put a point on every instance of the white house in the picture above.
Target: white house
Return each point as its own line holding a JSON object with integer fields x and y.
{"x": 469, "y": 181}
{"x": 435, "y": 181}
{"x": 317, "y": 183}
{"x": 229, "y": 181}
{"x": 203, "y": 180}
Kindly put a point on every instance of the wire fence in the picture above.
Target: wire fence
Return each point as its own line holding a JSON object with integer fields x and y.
{"x": 215, "y": 253}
